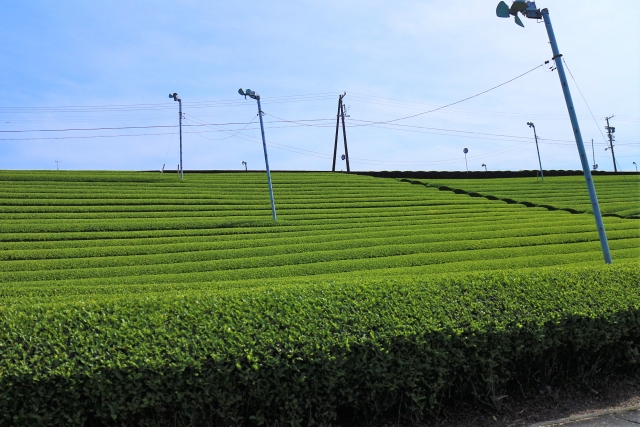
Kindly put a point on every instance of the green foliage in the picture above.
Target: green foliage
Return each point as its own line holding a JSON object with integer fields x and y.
{"x": 135, "y": 298}
{"x": 617, "y": 195}
{"x": 298, "y": 354}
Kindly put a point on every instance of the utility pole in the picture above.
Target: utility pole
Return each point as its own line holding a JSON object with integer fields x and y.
{"x": 595, "y": 206}
{"x": 465, "y": 151}
{"x": 339, "y": 116}
{"x": 177, "y": 98}
{"x": 535, "y": 135}
{"x": 610, "y": 132}
{"x": 58, "y": 164}
{"x": 253, "y": 95}
{"x": 529, "y": 10}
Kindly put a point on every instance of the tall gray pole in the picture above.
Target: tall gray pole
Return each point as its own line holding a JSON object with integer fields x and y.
{"x": 535, "y": 135}
{"x": 266, "y": 160}
{"x": 557, "y": 57}
{"x": 180, "y": 113}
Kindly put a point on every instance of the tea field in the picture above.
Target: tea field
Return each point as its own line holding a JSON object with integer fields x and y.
{"x": 618, "y": 195}
{"x": 139, "y": 299}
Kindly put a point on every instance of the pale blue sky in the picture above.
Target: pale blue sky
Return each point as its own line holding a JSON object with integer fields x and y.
{"x": 393, "y": 59}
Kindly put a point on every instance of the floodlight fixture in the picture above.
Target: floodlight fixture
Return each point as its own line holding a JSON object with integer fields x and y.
{"x": 248, "y": 92}
{"x": 529, "y": 10}
{"x": 252, "y": 94}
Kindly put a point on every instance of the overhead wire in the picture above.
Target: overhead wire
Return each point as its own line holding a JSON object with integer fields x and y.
{"x": 463, "y": 100}
{"x": 230, "y": 136}
{"x": 594, "y": 119}
{"x": 583, "y": 98}
{"x": 318, "y": 123}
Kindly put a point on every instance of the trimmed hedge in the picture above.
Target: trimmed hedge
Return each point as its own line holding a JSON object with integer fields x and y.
{"x": 304, "y": 354}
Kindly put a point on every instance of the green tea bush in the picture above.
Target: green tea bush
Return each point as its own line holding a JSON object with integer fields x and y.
{"x": 305, "y": 354}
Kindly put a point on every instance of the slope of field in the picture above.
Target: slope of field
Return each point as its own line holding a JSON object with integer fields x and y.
{"x": 138, "y": 299}
{"x": 618, "y": 195}
{"x": 69, "y": 233}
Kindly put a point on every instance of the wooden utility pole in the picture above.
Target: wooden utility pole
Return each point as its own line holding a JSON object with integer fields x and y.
{"x": 339, "y": 116}
{"x": 610, "y": 131}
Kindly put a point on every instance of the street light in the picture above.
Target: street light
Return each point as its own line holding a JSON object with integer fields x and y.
{"x": 465, "y": 151}
{"x": 529, "y": 10}
{"x": 245, "y": 165}
{"x": 252, "y": 94}
{"x": 485, "y": 167}
{"x": 177, "y": 98}
{"x": 634, "y": 164}
{"x": 531, "y": 125}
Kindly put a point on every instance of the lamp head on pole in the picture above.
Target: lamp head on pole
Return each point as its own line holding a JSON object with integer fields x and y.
{"x": 174, "y": 96}
{"x": 248, "y": 92}
{"x": 526, "y": 8}
{"x": 531, "y": 125}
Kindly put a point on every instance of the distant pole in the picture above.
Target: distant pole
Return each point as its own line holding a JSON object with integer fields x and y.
{"x": 177, "y": 98}
{"x": 251, "y": 94}
{"x": 245, "y": 165}
{"x": 339, "y": 116}
{"x": 465, "y": 151}
{"x": 266, "y": 160}
{"x": 535, "y": 135}
{"x": 593, "y": 153}
{"x": 344, "y": 135}
{"x": 485, "y": 167}
{"x": 557, "y": 57}
{"x": 634, "y": 164}
{"x": 180, "y": 112}
{"x": 610, "y": 131}
{"x": 57, "y": 164}
{"x": 335, "y": 145}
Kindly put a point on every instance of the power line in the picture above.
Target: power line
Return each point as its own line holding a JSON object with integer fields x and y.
{"x": 585, "y": 101}
{"x": 465, "y": 99}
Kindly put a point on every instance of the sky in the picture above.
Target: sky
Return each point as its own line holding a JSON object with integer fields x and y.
{"x": 86, "y": 84}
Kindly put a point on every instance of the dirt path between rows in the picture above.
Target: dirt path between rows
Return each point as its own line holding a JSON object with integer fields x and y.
{"x": 551, "y": 403}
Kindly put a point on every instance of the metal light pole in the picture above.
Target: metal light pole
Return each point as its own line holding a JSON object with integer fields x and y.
{"x": 593, "y": 152}
{"x": 177, "y": 98}
{"x": 485, "y": 167}
{"x": 634, "y": 164}
{"x": 252, "y": 94}
{"x": 530, "y": 10}
{"x": 535, "y": 135}
{"x": 465, "y": 151}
